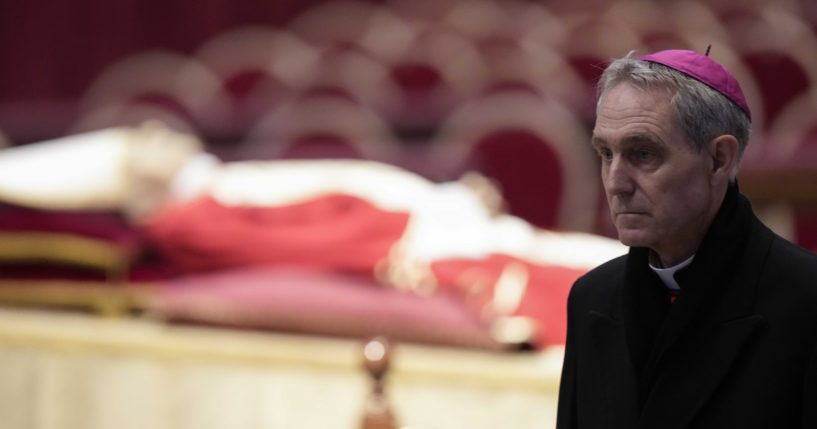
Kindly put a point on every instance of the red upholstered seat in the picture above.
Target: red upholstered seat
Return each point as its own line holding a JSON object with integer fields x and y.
{"x": 791, "y": 142}
{"x": 588, "y": 46}
{"x": 514, "y": 64}
{"x": 536, "y": 151}
{"x": 805, "y": 223}
{"x": 518, "y": 159}
{"x": 258, "y": 68}
{"x": 768, "y": 69}
{"x": 162, "y": 101}
{"x": 351, "y": 69}
{"x": 325, "y": 122}
{"x": 334, "y": 23}
{"x": 177, "y": 88}
{"x": 252, "y": 92}
{"x": 320, "y": 146}
{"x": 669, "y": 25}
{"x": 778, "y": 48}
{"x": 432, "y": 73}
{"x": 588, "y": 68}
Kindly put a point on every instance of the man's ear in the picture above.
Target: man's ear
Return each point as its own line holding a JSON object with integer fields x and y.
{"x": 725, "y": 153}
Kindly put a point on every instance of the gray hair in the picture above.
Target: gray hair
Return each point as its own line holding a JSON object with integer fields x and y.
{"x": 702, "y": 112}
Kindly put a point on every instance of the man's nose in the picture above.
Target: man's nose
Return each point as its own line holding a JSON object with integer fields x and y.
{"x": 617, "y": 178}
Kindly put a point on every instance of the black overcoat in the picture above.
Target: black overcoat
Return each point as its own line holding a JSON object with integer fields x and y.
{"x": 738, "y": 349}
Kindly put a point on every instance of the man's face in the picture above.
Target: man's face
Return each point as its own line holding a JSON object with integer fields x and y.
{"x": 658, "y": 187}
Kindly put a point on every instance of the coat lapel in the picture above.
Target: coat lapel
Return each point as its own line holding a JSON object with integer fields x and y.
{"x": 616, "y": 388}
{"x": 643, "y": 305}
{"x": 688, "y": 380}
{"x": 621, "y": 334}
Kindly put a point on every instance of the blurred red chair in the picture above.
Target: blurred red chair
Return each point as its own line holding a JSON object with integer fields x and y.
{"x": 421, "y": 14}
{"x": 436, "y": 72}
{"x": 511, "y": 63}
{"x": 590, "y": 44}
{"x": 806, "y": 228}
{"x": 537, "y": 152}
{"x": 333, "y": 23}
{"x": 171, "y": 87}
{"x": 352, "y": 70}
{"x": 156, "y": 108}
{"x": 780, "y": 174}
{"x": 793, "y": 134}
{"x": 729, "y": 10}
{"x": 320, "y": 125}
{"x": 4, "y": 141}
{"x": 647, "y": 18}
{"x": 353, "y": 41}
{"x": 778, "y": 48}
{"x": 791, "y": 144}
{"x": 258, "y": 67}
{"x": 480, "y": 19}
{"x": 354, "y": 25}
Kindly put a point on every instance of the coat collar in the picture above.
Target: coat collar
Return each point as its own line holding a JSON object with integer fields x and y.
{"x": 663, "y": 362}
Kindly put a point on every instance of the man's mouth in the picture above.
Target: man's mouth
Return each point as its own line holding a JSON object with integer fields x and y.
{"x": 630, "y": 213}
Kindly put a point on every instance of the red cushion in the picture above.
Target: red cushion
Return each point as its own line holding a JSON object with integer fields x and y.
{"x": 325, "y": 303}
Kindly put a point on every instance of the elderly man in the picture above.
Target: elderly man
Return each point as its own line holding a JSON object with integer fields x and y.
{"x": 710, "y": 320}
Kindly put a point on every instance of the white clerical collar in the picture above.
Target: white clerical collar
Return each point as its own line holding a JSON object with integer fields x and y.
{"x": 667, "y": 275}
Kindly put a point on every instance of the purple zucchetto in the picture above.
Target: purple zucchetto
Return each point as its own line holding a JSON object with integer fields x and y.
{"x": 704, "y": 69}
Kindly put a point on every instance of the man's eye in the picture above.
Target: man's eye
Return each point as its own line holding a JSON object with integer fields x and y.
{"x": 605, "y": 154}
{"x": 643, "y": 155}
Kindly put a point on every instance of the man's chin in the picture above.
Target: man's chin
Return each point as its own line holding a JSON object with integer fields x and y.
{"x": 633, "y": 238}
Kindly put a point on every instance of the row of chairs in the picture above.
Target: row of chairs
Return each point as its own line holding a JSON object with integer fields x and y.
{"x": 484, "y": 85}
{"x": 415, "y": 65}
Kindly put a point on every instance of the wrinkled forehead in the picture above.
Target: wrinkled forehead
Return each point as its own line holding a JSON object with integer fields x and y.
{"x": 656, "y": 89}
{"x": 629, "y": 112}
{"x": 626, "y": 99}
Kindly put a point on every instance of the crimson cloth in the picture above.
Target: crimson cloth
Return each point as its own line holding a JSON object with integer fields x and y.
{"x": 544, "y": 299}
{"x": 337, "y": 232}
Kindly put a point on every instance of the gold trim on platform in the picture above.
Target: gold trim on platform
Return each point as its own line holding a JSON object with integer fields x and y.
{"x": 102, "y": 298}
{"x": 63, "y": 248}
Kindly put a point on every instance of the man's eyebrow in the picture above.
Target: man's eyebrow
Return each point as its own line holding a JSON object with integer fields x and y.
{"x": 630, "y": 140}
{"x": 596, "y": 142}
{"x": 642, "y": 138}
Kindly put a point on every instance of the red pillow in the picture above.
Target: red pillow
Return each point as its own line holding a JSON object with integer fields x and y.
{"x": 316, "y": 302}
